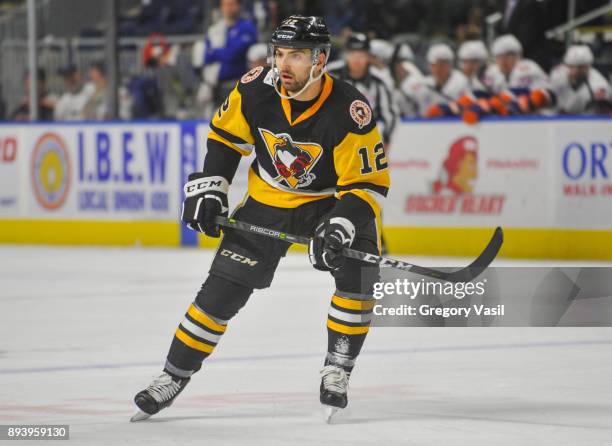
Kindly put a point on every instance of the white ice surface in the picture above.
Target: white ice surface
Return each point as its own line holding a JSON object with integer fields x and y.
{"x": 83, "y": 329}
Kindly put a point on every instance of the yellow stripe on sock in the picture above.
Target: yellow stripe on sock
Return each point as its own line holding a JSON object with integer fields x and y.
{"x": 202, "y": 318}
{"x": 345, "y": 329}
{"x": 353, "y": 304}
{"x": 188, "y": 341}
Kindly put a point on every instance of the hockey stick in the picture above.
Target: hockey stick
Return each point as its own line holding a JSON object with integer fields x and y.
{"x": 465, "y": 274}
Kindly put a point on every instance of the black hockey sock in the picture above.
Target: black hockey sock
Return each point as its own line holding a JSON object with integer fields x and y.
{"x": 348, "y": 322}
{"x": 204, "y": 323}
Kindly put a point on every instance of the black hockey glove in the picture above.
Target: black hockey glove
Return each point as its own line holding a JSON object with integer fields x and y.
{"x": 205, "y": 198}
{"x": 331, "y": 236}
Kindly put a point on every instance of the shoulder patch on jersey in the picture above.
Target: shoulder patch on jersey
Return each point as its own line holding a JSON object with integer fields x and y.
{"x": 269, "y": 79}
{"x": 251, "y": 75}
{"x": 361, "y": 113}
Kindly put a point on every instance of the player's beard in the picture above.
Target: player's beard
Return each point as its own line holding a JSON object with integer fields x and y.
{"x": 294, "y": 84}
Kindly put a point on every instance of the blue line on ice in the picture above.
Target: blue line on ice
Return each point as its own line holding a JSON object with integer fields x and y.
{"x": 68, "y": 368}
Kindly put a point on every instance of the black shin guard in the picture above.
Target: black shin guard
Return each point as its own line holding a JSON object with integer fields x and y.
{"x": 222, "y": 298}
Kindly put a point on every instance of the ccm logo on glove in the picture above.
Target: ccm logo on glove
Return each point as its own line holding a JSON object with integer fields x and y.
{"x": 193, "y": 187}
{"x": 205, "y": 199}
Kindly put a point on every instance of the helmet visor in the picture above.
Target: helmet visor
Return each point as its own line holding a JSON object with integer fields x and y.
{"x": 299, "y": 53}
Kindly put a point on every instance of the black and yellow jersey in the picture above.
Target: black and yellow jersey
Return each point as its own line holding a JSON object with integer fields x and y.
{"x": 305, "y": 151}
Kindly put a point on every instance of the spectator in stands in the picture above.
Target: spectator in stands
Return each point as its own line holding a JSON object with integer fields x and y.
{"x": 579, "y": 87}
{"x": 226, "y": 45}
{"x": 46, "y": 102}
{"x": 96, "y": 108}
{"x": 472, "y": 28}
{"x": 432, "y": 95}
{"x": 382, "y": 18}
{"x": 168, "y": 17}
{"x": 145, "y": 92}
{"x": 258, "y": 55}
{"x": 338, "y": 15}
{"x": 183, "y": 17}
{"x": 162, "y": 58}
{"x": 71, "y": 104}
{"x": 372, "y": 82}
{"x": 145, "y": 19}
{"x": 473, "y": 56}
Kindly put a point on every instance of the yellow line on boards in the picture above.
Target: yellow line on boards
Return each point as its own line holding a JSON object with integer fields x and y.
{"x": 74, "y": 232}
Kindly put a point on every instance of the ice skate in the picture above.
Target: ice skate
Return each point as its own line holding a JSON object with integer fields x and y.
{"x": 334, "y": 386}
{"x": 158, "y": 395}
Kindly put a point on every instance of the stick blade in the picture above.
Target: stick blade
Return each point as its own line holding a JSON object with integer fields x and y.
{"x": 482, "y": 262}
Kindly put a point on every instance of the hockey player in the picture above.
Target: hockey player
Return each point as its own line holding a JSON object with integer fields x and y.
{"x": 579, "y": 87}
{"x": 395, "y": 62}
{"x": 402, "y": 64}
{"x": 510, "y": 69}
{"x": 473, "y": 57}
{"x": 520, "y": 85}
{"x": 373, "y": 83}
{"x": 320, "y": 171}
{"x": 381, "y": 52}
{"x": 257, "y": 55}
{"x": 433, "y": 94}
{"x": 403, "y": 68}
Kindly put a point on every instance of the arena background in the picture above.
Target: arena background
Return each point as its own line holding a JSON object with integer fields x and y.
{"x": 118, "y": 180}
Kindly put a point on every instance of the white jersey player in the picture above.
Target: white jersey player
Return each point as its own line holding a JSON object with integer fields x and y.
{"x": 579, "y": 87}
{"x": 473, "y": 56}
{"x": 402, "y": 63}
{"x": 397, "y": 61}
{"x": 257, "y": 55}
{"x": 403, "y": 68}
{"x": 381, "y": 52}
{"x": 442, "y": 87}
{"x": 511, "y": 71}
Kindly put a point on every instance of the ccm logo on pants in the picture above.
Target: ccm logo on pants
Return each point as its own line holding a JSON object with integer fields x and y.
{"x": 238, "y": 257}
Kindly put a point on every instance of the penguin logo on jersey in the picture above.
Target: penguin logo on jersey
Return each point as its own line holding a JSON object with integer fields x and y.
{"x": 361, "y": 113}
{"x": 292, "y": 160}
{"x": 251, "y": 75}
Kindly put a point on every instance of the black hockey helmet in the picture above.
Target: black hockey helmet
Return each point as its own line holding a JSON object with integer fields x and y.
{"x": 358, "y": 42}
{"x": 297, "y": 31}
{"x": 301, "y": 32}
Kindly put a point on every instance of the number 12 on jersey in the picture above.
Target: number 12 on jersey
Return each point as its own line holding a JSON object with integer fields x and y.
{"x": 380, "y": 159}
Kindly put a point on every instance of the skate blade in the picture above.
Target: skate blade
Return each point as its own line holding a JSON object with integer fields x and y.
{"x": 140, "y": 416}
{"x": 329, "y": 412}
